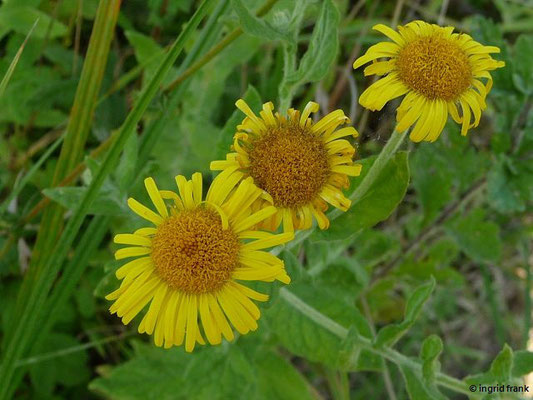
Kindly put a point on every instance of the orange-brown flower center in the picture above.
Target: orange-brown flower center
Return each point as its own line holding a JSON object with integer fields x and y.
{"x": 290, "y": 163}
{"x": 193, "y": 253}
{"x": 435, "y": 67}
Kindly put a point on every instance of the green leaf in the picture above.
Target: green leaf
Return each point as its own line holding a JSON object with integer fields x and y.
{"x": 323, "y": 46}
{"x": 108, "y": 202}
{"x": 416, "y": 388}
{"x": 417, "y": 300}
{"x": 479, "y": 239}
{"x": 432, "y": 179}
{"x": 68, "y": 370}
{"x": 21, "y": 19}
{"x": 523, "y": 64}
{"x": 148, "y": 53}
{"x": 373, "y": 246}
{"x": 293, "y": 266}
{"x": 431, "y": 348}
{"x": 256, "y": 26}
{"x": 507, "y": 186}
{"x": 126, "y": 170}
{"x": 390, "y": 334}
{"x": 155, "y": 373}
{"x": 279, "y": 379}
{"x": 429, "y": 353}
{"x": 108, "y": 283}
{"x": 11, "y": 69}
{"x": 305, "y": 338}
{"x": 522, "y": 363}
{"x": 502, "y": 365}
{"x": 379, "y": 202}
{"x": 85, "y": 301}
{"x": 350, "y": 350}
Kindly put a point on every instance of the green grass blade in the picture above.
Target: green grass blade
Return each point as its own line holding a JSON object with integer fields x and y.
{"x": 22, "y": 183}
{"x": 27, "y": 319}
{"x": 80, "y": 120}
{"x": 205, "y": 39}
{"x": 98, "y": 226}
{"x": 89, "y": 242}
{"x": 72, "y": 148}
{"x": 11, "y": 69}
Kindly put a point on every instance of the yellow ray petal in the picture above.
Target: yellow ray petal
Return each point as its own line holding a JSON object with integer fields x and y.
{"x": 232, "y": 314}
{"x": 185, "y": 192}
{"x": 249, "y": 292}
{"x": 192, "y": 323}
{"x": 350, "y": 170}
{"x": 390, "y": 33}
{"x": 155, "y": 309}
{"x": 136, "y": 240}
{"x": 181, "y": 320}
{"x": 219, "y": 318}
{"x": 155, "y": 196}
{"x": 310, "y": 107}
{"x": 274, "y": 240}
{"x": 127, "y": 252}
{"x": 256, "y": 274}
{"x": 197, "y": 187}
{"x": 160, "y": 324}
{"x": 144, "y": 212}
{"x": 145, "y": 231}
{"x": 244, "y": 301}
{"x": 211, "y": 331}
{"x": 134, "y": 267}
{"x": 254, "y": 219}
{"x": 170, "y": 318}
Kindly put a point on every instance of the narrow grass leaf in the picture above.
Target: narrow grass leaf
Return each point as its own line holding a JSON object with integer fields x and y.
{"x": 11, "y": 69}
{"x": 27, "y": 177}
{"x": 34, "y": 305}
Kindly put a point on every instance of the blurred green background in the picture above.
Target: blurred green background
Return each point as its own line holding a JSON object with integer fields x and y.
{"x": 459, "y": 210}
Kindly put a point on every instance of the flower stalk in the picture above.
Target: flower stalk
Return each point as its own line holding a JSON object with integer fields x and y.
{"x": 392, "y": 355}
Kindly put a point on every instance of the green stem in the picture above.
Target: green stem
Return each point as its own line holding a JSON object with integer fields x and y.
{"x": 390, "y": 148}
{"x": 392, "y": 355}
{"x": 493, "y": 303}
{"x": 230, "y": 37}
{"x": 34, "y": 304}
{"x": 74, "y": 349}
{"x": 338, "y": 384}
{"x": 286, "y": 89}
{"x": 525, "y": 250}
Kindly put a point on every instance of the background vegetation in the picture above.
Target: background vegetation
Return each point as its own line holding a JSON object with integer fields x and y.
{"x": 429, "y": 271}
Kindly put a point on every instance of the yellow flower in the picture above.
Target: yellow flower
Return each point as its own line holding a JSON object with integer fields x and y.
{"x": 188, "y": 263}
{"x": 437, "y": 69}
{"x": 300, "y": 164}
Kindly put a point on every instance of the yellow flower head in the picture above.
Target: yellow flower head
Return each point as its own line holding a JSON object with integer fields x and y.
{"x": 301, "y": 165}
{"x": 188, "y": 263}
{"x": 437, "y": 70}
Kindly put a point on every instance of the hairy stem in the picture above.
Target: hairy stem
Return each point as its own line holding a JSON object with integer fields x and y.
{"x": 387, "y": 353}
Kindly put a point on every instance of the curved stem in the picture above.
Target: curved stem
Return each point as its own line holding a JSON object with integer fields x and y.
{"x": 386, "y": 352}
